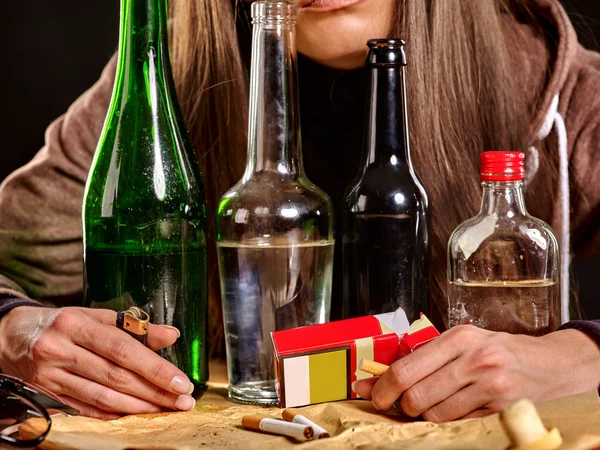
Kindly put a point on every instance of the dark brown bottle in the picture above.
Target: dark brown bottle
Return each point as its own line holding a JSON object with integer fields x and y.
{"x": 385, "y": 242}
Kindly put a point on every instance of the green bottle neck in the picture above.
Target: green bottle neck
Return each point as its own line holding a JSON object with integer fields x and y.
{"x": 143, "y": 48}
{"x": 144, "y": 155}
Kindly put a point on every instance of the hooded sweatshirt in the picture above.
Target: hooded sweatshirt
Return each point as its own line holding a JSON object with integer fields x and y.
{"x": 41, "y": 203}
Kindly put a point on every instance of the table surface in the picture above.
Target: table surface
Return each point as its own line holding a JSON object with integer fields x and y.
{"x": 216, "y": 424}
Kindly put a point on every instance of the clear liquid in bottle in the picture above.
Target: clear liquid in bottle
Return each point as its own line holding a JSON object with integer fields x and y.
{"x": 274, "y": 227}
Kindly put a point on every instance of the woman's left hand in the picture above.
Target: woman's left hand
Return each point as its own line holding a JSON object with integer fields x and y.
{"x": 469, "y": 372}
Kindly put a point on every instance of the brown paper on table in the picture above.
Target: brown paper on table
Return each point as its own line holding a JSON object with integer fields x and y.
{"x": 354, "y": 424}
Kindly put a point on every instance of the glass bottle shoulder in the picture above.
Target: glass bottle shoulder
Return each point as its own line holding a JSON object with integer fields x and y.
{"x": 488, "y": 247}
{"x": 270, "y": 204}
{"x": 144, "y": 170}
{"x": 386, "y": 189}
{"x": 149, "y": 189}
{"x": 491, "y": 227}
{"x": 144, "y": 192}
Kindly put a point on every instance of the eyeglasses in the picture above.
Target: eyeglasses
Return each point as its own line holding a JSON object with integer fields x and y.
{"x": 19, "y": 402}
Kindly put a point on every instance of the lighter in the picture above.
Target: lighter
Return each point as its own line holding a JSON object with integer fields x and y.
{"x": 134, "y": 322}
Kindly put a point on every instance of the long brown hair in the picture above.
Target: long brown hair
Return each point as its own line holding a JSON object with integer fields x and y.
{"x": 463, "y": 100}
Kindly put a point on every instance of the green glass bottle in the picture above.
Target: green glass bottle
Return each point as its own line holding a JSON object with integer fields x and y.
{"x": 144, "y": 213}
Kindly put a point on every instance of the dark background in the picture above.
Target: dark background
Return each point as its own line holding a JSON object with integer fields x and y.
{"x": 53, "y": 50}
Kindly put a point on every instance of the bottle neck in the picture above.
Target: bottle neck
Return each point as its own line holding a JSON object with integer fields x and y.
{"x": 504, "y": 199}
{"x": 274, "y": 116}
{"x": 145, "y": 102}
{"x": 386, "y": 139}
{"x": 144, "y": 63}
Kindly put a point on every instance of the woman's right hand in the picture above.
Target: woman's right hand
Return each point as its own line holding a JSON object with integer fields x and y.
{"x": 80, "y": 355}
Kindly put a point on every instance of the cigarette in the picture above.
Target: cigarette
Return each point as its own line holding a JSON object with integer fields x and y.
{"x": 372, "y": 367}
{"x": 290, "y": 416}
{"x": 279, "y": 427}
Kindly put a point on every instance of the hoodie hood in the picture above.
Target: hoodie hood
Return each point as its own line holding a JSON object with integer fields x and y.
{"x": 549, "y": 60}
{"x": 562, "y": 46}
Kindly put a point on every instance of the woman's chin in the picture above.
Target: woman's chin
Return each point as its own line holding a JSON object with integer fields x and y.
{"x": 344, "y": 60}
{"x": 339, "y": 39}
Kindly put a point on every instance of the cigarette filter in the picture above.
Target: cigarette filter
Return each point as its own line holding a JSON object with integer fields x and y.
{"x": 279, "y": 427}
{"x": 372, "y": 367}
{"x": 290, "y": 416}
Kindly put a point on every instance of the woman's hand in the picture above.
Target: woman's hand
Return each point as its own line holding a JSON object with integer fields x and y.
{"x": 80, "y": 355}
{"x": 470, "y": 372}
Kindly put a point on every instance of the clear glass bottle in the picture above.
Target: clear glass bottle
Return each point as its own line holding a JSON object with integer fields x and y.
{"x": 274, "y": 227}
{"x": 386, "y": 208}
{"x": 503, "y": 264}
{"x": 144, "y": 214}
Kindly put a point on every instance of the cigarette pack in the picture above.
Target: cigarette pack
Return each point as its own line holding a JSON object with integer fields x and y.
{"x": 318, "y": 363}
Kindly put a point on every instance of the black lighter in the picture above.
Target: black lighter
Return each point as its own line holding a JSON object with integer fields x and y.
{"x": 134, "y": 322}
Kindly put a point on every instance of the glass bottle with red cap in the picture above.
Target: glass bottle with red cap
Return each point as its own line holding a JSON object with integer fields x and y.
{"x": 503, "y": 264}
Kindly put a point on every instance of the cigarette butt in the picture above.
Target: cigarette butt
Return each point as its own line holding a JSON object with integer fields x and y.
{"x": 279, "y": 427}
{"x": 252, "y": 422}
{"x": 372, "y": 367}
{"x": 290, "y": 416}
{"x": 524, "y": 427}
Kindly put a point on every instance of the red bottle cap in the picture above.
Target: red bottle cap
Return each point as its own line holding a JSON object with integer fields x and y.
{"x": 502, "y": 166}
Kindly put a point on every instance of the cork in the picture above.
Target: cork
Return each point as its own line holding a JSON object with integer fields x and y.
{"x": 525, "y": 429}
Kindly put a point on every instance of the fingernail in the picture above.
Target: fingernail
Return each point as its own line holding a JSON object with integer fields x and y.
{"x": 169, "y": 327}
{"x": 353, "y": 386}
{"x": 181, "y": 385}
{"x": 185, "y": 403}
{"x": 191, "y": 391}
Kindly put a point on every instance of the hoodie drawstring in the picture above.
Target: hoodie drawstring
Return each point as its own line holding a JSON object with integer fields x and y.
{"x": 554, "y": 120}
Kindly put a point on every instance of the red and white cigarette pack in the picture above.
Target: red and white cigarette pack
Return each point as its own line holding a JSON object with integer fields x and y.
{"x": 318, "y": 363}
